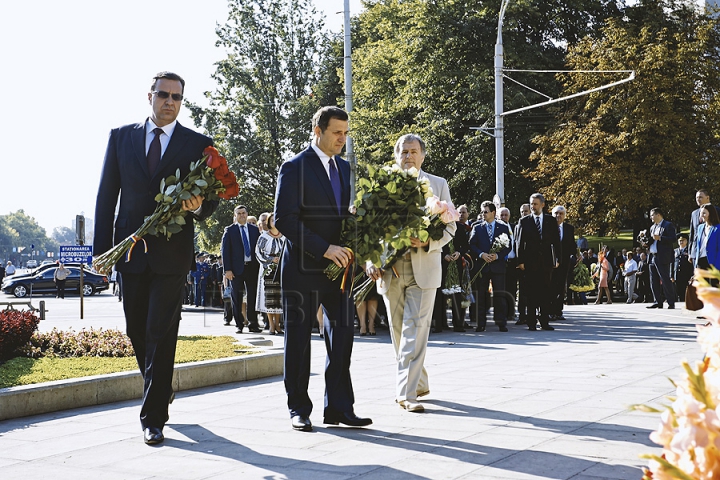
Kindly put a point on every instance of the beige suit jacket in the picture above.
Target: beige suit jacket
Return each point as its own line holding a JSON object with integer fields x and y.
{"x": 426, "y": 262}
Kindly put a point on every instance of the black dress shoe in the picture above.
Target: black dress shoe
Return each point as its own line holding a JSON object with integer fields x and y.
{"x": 654, "y": 305}
{"x": 532, "y": 328}
{"x": 349, "y": 419}
{"x": 503, "y": 328}
{"x": 153, "y": 435}
{"x": 302, "y": 423}
{"x": 479, "y": 329}
{"x": 254, "y": 330}
{"x": 520, "y": 322}
{"x": 547, "y": 327}
{"x": 559, "y": 318}
{"x": 671, "y": 307}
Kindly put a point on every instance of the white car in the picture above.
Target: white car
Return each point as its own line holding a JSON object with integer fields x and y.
{"x": 32, "y": 264}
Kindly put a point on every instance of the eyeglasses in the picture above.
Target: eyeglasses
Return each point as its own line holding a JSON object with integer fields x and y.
{"x": 486, "y": 211}
{"x": 163, "y": 94}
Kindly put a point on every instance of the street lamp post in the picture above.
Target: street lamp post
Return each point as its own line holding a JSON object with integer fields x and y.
{"x": 499, "y": 127}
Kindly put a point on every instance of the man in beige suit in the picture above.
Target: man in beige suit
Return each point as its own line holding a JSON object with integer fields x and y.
{"x": 409, "y": 299}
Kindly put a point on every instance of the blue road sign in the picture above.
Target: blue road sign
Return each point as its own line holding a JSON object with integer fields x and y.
{"x": 76, "y": 254}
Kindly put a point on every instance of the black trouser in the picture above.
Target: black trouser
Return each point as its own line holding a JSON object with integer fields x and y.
{"x": 482, "y": 285}
{"x": 559, "y": 287}
{"x": 538, "y": 285}
{"x": 152, "y": 304}
{"x": 245, "y": 281}
{"x": 299, "y": 312}
{"x": 60, "y": 284}
{"x": 660, "y": 282}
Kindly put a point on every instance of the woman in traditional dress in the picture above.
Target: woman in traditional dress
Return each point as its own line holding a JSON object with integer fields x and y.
{"x": 268, "y": 252}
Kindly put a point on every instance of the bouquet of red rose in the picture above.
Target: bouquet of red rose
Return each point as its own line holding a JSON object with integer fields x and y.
{"x": 209, "y": 177}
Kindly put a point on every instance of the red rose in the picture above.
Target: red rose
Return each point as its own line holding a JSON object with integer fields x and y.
{"x": 213, "y": 155}
{"x": 230, "y": 191}
{"x": 221, "y": 171}
{"x": 229, "y": 180}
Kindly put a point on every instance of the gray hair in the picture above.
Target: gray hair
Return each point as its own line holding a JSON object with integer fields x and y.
{"x": 558, "y": 208}
{"x": 503, "y": 210}
{"x": 409, "y": 137}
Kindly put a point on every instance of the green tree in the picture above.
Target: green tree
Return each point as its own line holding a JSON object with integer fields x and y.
{"x": 260, "y": 113}
{"x": 653, "y": 142}
{"x": 64, "y": 235}
{"x": 23, "y": 231}
{"x": 427, "y": 67}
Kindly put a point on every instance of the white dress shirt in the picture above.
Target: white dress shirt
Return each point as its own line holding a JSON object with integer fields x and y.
{"x": 164, "y": 137}
{"x": 323, "y": 158}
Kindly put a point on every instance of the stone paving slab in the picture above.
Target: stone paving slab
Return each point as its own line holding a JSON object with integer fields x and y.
{"x": 516, "y": 405}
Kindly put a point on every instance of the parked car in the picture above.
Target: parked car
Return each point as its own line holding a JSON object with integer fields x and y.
{"x": 32, "y": 273}
{"x": 43, "y": 282}
{"x": 46, "y": 262}
{"x": 31, "y": 264}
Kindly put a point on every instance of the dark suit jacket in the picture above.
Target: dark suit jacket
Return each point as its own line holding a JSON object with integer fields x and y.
{"x": 665, "y": 251}
{"x": 233, "y": 250}
{"x": 568, "y": 245}
{"x": 125, "y": 173}
{"x": 534, "y": 252}
{"x": 307, "y": 214}
{"x": 481, "y": 243}
{"x": 459, "y": 241}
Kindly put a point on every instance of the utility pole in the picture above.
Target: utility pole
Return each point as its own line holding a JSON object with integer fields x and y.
{"x": 350, "y": 152}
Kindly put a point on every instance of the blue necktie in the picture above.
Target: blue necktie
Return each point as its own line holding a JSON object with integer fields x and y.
{"x": 246, "y": 244}
{"x": 335, "y": 182}
{"x": 489, "y": 230}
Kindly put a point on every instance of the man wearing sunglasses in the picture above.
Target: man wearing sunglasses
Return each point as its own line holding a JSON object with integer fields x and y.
{"x": 137, "y": 158}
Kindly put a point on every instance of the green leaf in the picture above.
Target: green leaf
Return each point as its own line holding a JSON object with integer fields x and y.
{"x": 201, "y": 183}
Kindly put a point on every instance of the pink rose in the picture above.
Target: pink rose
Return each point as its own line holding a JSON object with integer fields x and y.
{"x": 434, "y": 205}
{"x": 450, "y": 215}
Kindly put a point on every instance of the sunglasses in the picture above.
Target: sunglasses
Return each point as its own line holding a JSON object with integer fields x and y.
{"x": 163, "y": 94}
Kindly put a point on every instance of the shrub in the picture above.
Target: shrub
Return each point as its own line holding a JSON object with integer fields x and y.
{"x": 16, "y": 328}
{"x": 85, "y": 343}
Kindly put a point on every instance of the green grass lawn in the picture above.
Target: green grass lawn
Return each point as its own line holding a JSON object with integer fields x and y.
{"x": 623, "y": 240}
{"x": 27, "y": 371}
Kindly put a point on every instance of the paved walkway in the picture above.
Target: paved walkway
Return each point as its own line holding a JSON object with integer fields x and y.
{"x": 516, "y": 405}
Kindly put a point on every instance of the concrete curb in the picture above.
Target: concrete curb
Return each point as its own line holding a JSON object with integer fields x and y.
{"x": 49, "y": 397}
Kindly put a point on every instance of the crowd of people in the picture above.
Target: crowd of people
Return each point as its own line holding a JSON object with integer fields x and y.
{"x": 275, "y": 265}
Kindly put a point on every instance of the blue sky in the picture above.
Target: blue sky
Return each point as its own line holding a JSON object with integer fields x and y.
{"x": 73, "y": 70}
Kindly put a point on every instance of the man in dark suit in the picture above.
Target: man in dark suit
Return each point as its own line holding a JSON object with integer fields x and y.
{"x": 643, "y": 279}
{"x": 137, "y": 158}
{"x": 241, "y": 266}
{"x": 522, "y": 283}
{"x": 312, "y": 199}
{"x": 662, "y": 255}
{"x": 560, "y": 274}
{"x": 482, "y": 238}
{"x": 538, "y": 249}
{"x": 462, "y": 249}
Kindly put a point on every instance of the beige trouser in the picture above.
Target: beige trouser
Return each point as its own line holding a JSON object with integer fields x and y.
{"x": 409, "y": 310}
